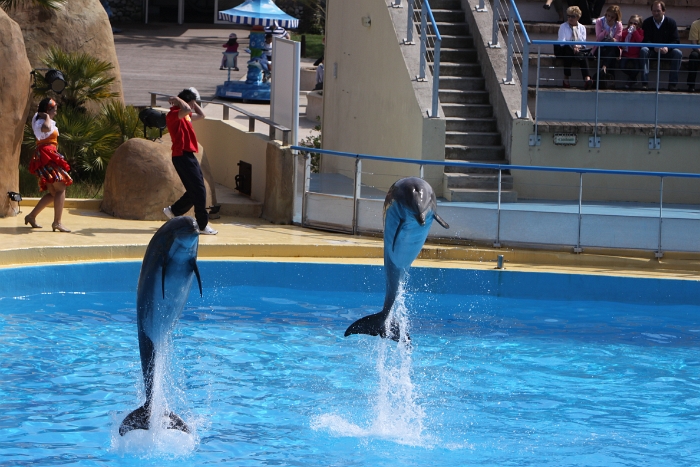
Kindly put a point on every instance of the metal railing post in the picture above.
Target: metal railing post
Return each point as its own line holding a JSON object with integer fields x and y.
{"x": 482, "y": 7}
{"x": 397, "y": 4}
{"x": 659, "y": 254}
{"x": 226, "y": 112}
{"x": 497, "y": 243}
{"x": 509, "y": 63}
{"x": 356, "y": 193}
{"x": 307, "y": 183}
{"x": 524, "y": 78}
{"x": 423, "y": 29}
{"x": 436, "y": 78}
{"x": 153, "y": 100}
{"x": 409, "y": 25}
{"x": 655, "y": 143}
{"x": 536, "y": 139}
{"x": 577, "y": 248}
{"x": 494, "y": 29}
{"x": 594, "y": 141}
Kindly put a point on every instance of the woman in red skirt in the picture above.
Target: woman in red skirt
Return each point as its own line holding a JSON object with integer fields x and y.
{"x": 49, "y": 166}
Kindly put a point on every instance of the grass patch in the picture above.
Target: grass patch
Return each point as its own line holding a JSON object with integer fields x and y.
{"x": 314, "y": 44}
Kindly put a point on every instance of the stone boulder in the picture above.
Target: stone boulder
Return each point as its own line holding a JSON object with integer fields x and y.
{"x": 14, "y": 107}
{"x": 77, "y": 26}
{"x": 141, "y": 180}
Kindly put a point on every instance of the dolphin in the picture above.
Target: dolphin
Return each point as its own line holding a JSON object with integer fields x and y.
{"x": 409, "y": 211}
{"x": 169, "y": 266}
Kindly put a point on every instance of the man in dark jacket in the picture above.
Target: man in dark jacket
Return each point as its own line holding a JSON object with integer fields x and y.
{"x": 660, "y": 29}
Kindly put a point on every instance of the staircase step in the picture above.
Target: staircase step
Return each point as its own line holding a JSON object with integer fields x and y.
{"x": 459, "y": 96}
{"x": 446, "y": 4}
{"x": 467, "y": 195}
{"x": 460, "y": 55}
{"x": 476, "y": 170}
{"x": 473, "y": 138}
{"x": 468, "y": 125}
{"x": 464, "y": 83}
{"x": 452, "y": 29}
{"x": 467, "y": 110}
{"x": 235, "y": 204}
{"x": 475, "y": 153}
{"x": 458, "y": 69}
{"x": 447, "y": 15}
{"x": 453, "y": 42}
{"x": 478, "y": 181}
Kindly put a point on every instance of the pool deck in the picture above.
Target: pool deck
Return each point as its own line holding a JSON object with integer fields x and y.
{"x": 97, "y": 236}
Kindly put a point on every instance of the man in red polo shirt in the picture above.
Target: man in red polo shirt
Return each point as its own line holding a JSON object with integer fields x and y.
{"x": 183, "y": 110}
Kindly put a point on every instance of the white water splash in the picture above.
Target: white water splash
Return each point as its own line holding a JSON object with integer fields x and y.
{"x": 397, "y": 416}
{"x": 158, "y": 441}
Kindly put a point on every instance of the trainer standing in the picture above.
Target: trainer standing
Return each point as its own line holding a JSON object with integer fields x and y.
{"x": 184, "y": 109}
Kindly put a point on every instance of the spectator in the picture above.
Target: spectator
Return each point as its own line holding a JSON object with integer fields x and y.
{"x": 277, "y": 30}
{"x": 266, "y": 59}
{"x": 560, "y": 7}
{"x": 572, "y": 30}
{"x": 319, "y": 74}
{"x": 661, "y": 29}
{"x": 589, "y": 9}
{"x": 694, "y": 59}
{"x": 608, "y": 29}
{"x": 231, "y": 47}
{"x": 630, "y": 63}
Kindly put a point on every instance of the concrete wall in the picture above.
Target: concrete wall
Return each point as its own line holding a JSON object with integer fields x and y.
{"x": 372, "y": 103}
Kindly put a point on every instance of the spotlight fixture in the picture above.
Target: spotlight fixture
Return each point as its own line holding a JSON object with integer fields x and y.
{"x": 54, "y": 78}
{"x": 152, "y": 118}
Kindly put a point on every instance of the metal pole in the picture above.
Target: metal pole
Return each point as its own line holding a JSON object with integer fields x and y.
{"x": 578, "y": 248}
{"x": 494, "y": 29}
{"x": 656, "y": 107}
{"x": 356, "y": 193}
{"x": 497, "y": 244}
{"x": 537, "y": 86}
{"x": 307, "y": 182}
{"x": 421, "y": 171}
{"x": 409, "y": 25}
{"x": 509, "y": 63}
{"x": 226, "y": 112}
{"x": 423, "y": 28}
{"x": 524, "y": 78}
{"x": 659, "y": 253}
{"x": 481, "y": 8}
{"x": 436, "y": 78}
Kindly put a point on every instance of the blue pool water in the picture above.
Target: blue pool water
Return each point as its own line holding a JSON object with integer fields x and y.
{"x": 505, "y": 369}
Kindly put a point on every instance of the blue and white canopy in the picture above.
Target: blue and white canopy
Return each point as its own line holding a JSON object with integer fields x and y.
{"x": 258, "y": 12}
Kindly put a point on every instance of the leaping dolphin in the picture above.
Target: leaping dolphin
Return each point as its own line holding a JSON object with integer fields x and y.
{"x": 169, "y": 266}
{"x": 409, "y": 210}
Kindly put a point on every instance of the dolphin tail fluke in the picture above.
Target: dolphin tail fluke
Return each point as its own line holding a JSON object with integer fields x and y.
{"x": 136, "y": 420}
{"x": 139, "y": 419}
{"x": 376, "y": 325}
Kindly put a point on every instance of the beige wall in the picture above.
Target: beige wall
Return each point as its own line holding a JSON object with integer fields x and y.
{"x": 616, "y": 152}
{"x": 370, "y": 104}
{"x": 227, "y": 144}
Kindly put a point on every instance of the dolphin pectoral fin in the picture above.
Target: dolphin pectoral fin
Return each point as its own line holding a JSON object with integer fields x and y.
{"x": 396, "y": 234}
{"x": 162, "y": 280}
{"x": 136, "y": 420}
{"x": 196, "y": 273}
{"x": 440, "y": 220}
{"x": 176, "y": 423}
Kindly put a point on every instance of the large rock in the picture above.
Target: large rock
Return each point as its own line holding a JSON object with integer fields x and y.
{"x": 14, "y": 82}
{"x": 141, "y": 180}
{"x": 77, "y": 26}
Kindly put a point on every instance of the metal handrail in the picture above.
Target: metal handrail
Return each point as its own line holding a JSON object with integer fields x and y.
{"x": 426, "y": 15}
{"x": 500, "y": 167}
{"x": 252, "y": 118}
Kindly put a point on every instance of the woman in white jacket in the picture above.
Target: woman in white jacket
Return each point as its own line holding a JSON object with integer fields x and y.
{"x": 572, "y": 30}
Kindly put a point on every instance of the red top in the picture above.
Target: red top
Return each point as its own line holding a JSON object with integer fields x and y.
{"x": 181, "y": 132}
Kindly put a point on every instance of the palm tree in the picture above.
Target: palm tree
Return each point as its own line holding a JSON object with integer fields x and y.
{"x": 86, "y": 78}
{"x": 48, "y": 4}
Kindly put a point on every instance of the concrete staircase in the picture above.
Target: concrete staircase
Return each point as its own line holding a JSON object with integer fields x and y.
{"x": 471, "y": 134}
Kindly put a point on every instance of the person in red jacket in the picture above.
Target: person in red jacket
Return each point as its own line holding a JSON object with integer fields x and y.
{"x": 631, "y": 64}
{"x": 184, "y": 109}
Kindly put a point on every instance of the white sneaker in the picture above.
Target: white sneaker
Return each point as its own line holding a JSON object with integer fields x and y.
{"x": 168, "y": 212}
{"x": 208, "y": 231}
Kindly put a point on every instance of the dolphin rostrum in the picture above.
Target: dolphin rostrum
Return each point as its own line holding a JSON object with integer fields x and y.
{"x": 169, "y": 266}
{"x": 409, "y": 210}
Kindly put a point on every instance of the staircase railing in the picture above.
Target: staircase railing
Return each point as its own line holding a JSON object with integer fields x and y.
{"x": 430, "y": 38}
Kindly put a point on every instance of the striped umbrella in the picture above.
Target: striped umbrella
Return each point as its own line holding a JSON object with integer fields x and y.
{"x": 258, "y": 12}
